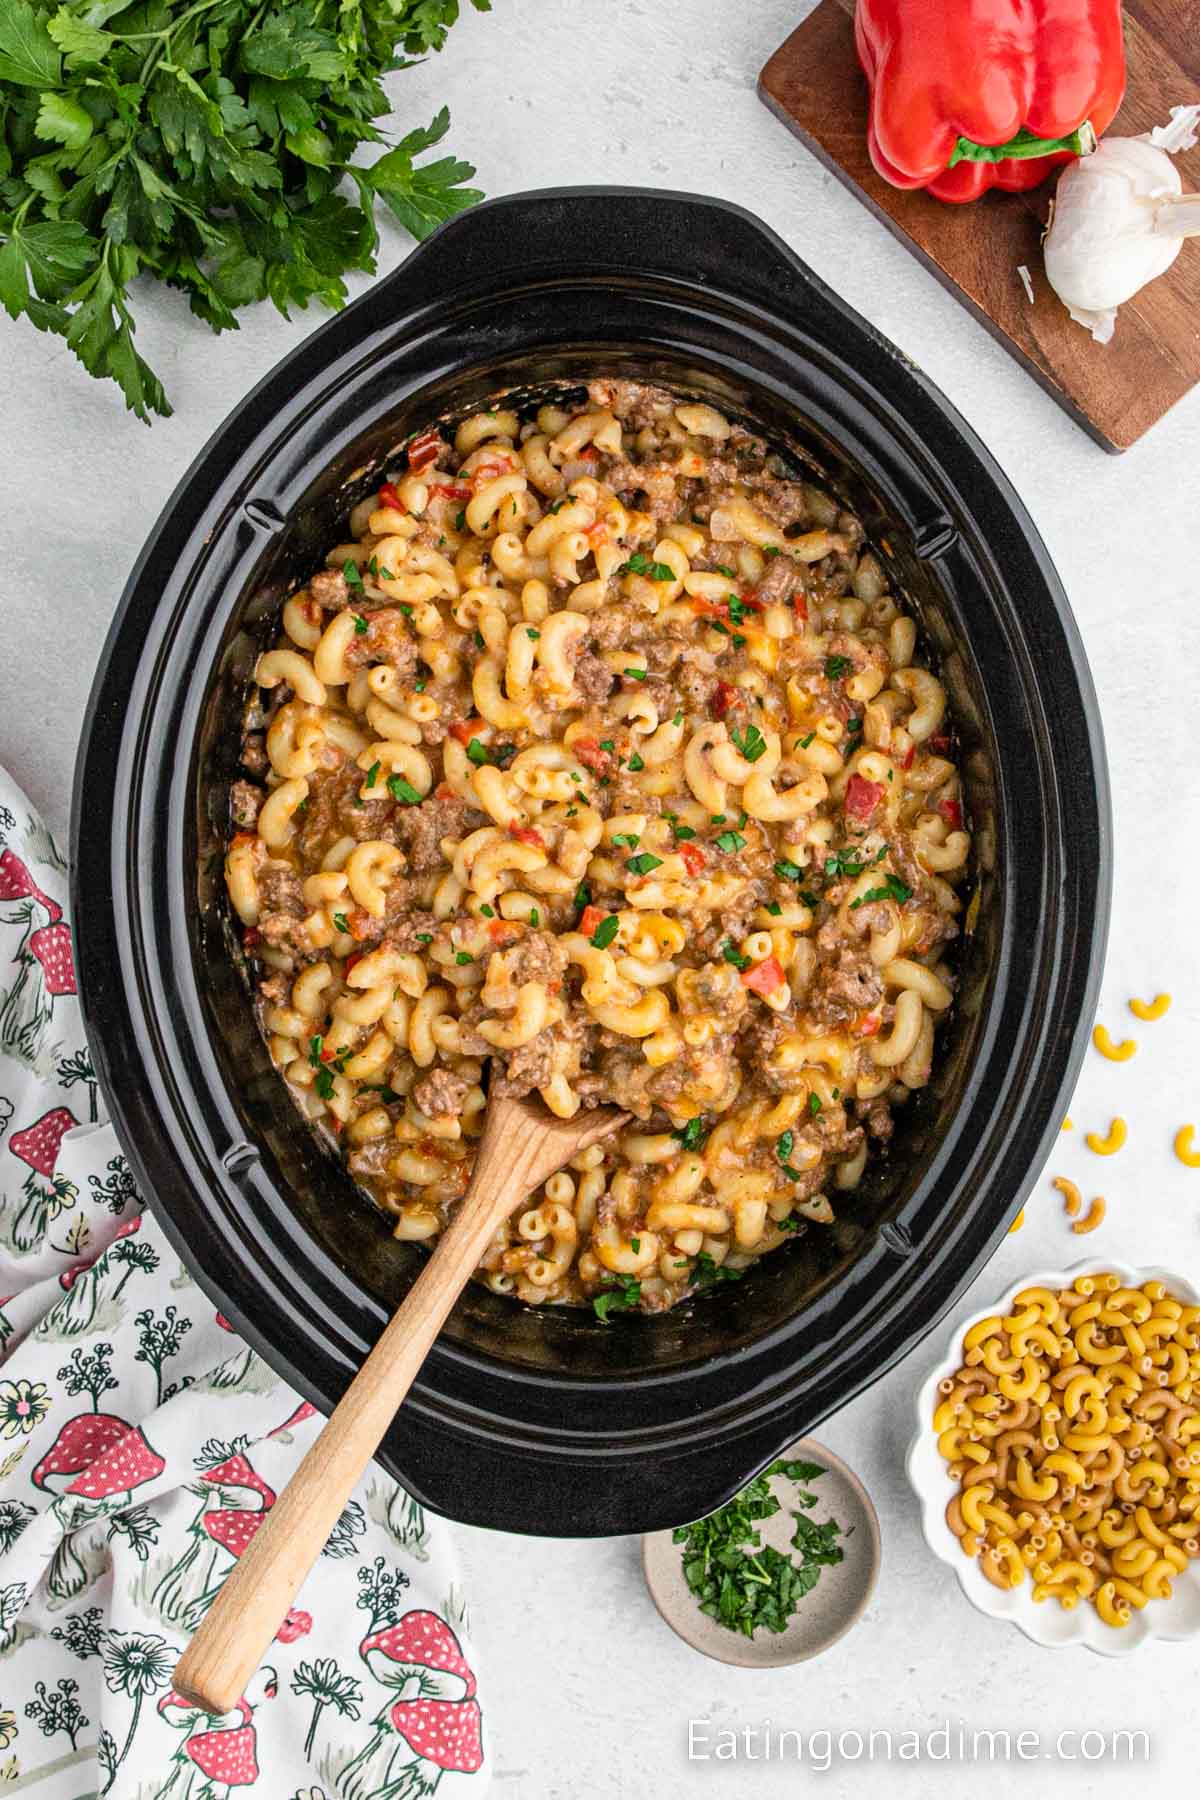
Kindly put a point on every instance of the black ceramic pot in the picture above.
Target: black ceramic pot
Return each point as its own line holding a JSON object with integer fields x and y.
{"x": 549, "y": 1421}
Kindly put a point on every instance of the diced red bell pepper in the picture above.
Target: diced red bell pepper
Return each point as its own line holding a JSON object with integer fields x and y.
{"x": 951, "y": 811}
{"x": 723, "y": 698}
{"x": 443, "y": 791}
{"x": 973, "y": 94}
{"x": 800, "y": 606}
{"x": 589, "y": 918}
{"x": 694, "y": 859}
{"x": 906, "y": 761}
{"x": 424, "y": 449}
{"x": 862, "y": 797}
{"x": 589, "y": 453}
{"x": 525, "y": 834}
{"x": 451, "y": 490}
{"x": 588, "y": 750}
{"x": 389, "y": 495}
{"x": 941, "y": 743}
{"x": 251, "y": 936}
{"x": 465, "y": 729}
{"x": 765, "y": 976}
{"x": 866, "y": 1025}
{"x": 503, "y": 931}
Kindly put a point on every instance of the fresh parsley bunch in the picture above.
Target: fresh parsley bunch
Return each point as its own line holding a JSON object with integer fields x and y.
{"x": 208, "y": 143}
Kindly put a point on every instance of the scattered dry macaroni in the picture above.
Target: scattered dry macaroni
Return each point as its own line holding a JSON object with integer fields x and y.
{"x": 1072, "y": 1198}
{"x": 1150, "y": 1009}
{"x": 1094, "y": 1216}
{"x": 1183, "y": 1147}
{"x": 1114, "y": 1052}
{"x": 1109, "y": 1145}
{"x": 1073, "y": 1432}
{"x": 601, "y": 752}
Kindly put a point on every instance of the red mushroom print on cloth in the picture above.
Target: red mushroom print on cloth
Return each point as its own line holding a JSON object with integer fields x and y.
{"x": 434, "y": 1726}
{"x": 40, "y": 969}
{"x": 47, "y": 1193}
{"x": 142, "y": 1444}
{"x": 234, "y": 1500}
{"x": 229, "y": 1755}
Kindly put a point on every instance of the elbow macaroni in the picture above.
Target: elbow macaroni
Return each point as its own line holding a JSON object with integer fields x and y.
{"x": 628, "y": 796}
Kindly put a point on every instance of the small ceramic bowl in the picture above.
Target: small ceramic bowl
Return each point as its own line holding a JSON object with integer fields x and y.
{"x": 824, "y": 1615}
{"x": 1046, "y": 1622}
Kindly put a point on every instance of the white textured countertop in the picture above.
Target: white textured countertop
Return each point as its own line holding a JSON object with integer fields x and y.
{"x": 586, "y": 1691}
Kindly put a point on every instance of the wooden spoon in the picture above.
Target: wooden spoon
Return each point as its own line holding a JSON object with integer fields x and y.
{"x": 522, "y": 1145}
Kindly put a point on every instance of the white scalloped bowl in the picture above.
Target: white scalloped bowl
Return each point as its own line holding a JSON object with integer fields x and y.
{"x": 1046, "y": 1622}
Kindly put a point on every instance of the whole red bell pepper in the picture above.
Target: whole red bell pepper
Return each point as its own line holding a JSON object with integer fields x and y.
{"x": 972, "y": 94}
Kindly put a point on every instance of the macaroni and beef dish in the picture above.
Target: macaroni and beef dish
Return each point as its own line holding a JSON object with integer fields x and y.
{"x": 600, "y": 764}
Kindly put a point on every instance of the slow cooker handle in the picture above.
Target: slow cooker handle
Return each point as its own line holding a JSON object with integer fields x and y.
{"x": 509, "y": 1489}
{"x": 590, "y": 233}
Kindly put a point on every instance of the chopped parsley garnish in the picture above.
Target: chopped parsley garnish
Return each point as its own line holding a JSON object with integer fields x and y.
{"x": 630, "y": 839}
{"x": 406, "y": 609}
{"x": 535, "y": 917}
{"x": 635, "y": 1244}
{"x": 403, "y": 792}
{"x": 462, "y": 957}
{"x": 361, "y": 627}
{"x": 724, "y": 569}
{"x": 478, "y": 753}
{"x": 424, "y": 937}
{"x": 479, "y": 640}
{"x": 622, "y": 1296}
{"x": 532, "y": 633}
{"x": 784, "y": 1145}
{"x": 789, "y": 871}
{"x": 729, "y": 841}
{"x": 682, "y": 832}
{"x": 583, "y": 896}
{"x": 605, "y": 932}
{"x": 691, "y": 1135}
{"x": 608, "y": 744}
{"x": 558, "y": 505}
{"x": 635, "y": 674}
{"x": 774, "y": 908}
{"x": 836, "y": 667}
{"x": 734, "y": 956}
{"x": 750, "y": 742}
{"x": 489, "y": 912}
{"x": 706, "y": 1272}
{"x": 642, "y": 865}
{"x": 678, "y": 718}
{"x": 341, "y": 923}
{"x": 353, "y": 574}
{"x": 853, "y": 726}
{"x": 814, "y": 1104}
{"x": 893, "y": 889}
{"x": 770, "y": 550}
{"x": 848, "y": 862}
{"x": 645, "y": 565}
{"x": 420, "y": 686}
{"x": 806, "y": 741}
{"x": 635, "y": 763}
{"x": 460, "y": 520}
{"x": 387, "y": 1095}
{"x": 373, "y": 774}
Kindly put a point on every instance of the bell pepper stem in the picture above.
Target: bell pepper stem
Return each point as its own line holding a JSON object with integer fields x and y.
{"x": 1025, "y": 145}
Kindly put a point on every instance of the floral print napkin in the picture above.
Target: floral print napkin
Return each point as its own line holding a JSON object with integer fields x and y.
{"x": 142, "y": 1445}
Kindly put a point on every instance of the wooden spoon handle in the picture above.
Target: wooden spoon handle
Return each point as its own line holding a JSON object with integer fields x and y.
{"x": 246, "y": 1614}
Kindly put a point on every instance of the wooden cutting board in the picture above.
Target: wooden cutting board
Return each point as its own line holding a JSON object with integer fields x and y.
{"x": 1116, "y": 391}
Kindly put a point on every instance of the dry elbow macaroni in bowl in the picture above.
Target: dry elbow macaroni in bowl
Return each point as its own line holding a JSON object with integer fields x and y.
{"x": 1073, "y": 1431}
{"x": 600, "y": 754}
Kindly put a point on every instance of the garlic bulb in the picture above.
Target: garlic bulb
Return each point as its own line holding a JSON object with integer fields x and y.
{"x": 1118, "y": 220}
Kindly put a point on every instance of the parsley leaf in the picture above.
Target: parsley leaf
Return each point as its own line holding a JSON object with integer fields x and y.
{"x": 836, "y": 667}
{"x": 750, "y": 742}
{"x": 734, "y": 956}
{"x": 643, "y": 864}
{"x": 893, "y": 889}
{"x": 691, "y": 1135}
{"x": 729, "y": 841}
{"x": 622, "y": 1296}
{"x": 645, "y": 565}
{"x": 605, "y": 932}
{"x": 402, "y": 791}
